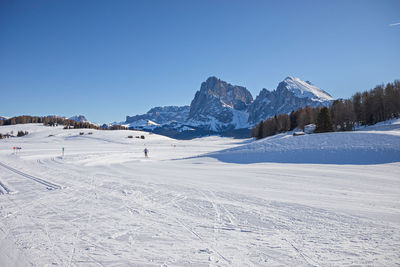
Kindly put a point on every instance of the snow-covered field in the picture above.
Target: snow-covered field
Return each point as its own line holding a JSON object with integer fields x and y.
{"x": 321, "y": 200}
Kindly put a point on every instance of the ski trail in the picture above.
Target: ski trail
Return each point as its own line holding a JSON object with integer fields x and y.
{"x": 173, "y": 200}
{"x": 217, "y": 221}
{"x": 48, "y": 184}
{"x": 77, "y": 235}
{"x": 217, "y": 227}
{"x": 239, "y": 258}
{"x": 302, "y": 254}
{"x": 190, "y": 230}
{"x": 44, "y": 231}
{"x": 65, "y": 259}
{"x": 5, "y": 188}
{"x": 74, "y": 248}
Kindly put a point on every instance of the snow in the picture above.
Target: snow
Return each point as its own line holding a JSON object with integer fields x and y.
{"x": 145, "y": 124}
{"x": 360, "y": 147}
{"x": 239, "y": 121}
{"x": 390, "y": 126}
{"x": 149, "y": 122}
{"x": 191, "y": 204}
{"x": 303, "y": 89}
{"x": 79, "y": 118}
{"x": 185, "y": 128}
{"x": 310, "y": 128}
{"x": 208, "y": 121}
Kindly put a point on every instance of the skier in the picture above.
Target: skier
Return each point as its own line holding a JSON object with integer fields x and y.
{"x": 146, "y": 151}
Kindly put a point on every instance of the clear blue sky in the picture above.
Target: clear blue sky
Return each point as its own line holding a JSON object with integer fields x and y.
{"x": 109, "y": 59}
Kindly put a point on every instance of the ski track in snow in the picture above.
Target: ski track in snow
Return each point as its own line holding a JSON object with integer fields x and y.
{"x": 191, "y": 212}
{"x": 4, "y": 189}
{"x": 48, "y": 184}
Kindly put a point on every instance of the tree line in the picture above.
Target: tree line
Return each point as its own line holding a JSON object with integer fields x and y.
{"x": 11, "y": 134}
{"x": 54, "y": 120}
{"x": 366, "y": 108}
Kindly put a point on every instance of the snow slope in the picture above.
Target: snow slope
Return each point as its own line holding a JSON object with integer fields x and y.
{"x": 304, "y": 89}
{"x": 117, "y": 208}
{"x": 374, "y": 144}
{"x": 328, "y": 148}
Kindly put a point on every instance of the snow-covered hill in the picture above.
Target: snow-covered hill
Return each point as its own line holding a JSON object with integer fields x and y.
{"x": 103, "y": 203}
{"x": 328, "y": 148}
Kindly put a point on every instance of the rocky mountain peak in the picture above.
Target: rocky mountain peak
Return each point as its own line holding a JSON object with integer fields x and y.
{"x": 304, "y": 89}
{"x": 160, "y": 115}
{"x": 79, "y": 118}
{"x": 229, "y": 94}
{"x": 291, "y": 94}
{"x": 218, "y": 100}
{"x": 220, "y": 107}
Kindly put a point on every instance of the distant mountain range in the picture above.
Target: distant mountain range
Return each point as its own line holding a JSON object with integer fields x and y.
{"x": 78, "y": 118}
{"x": 160, "y": 115}
{"x": 226, "y": 109}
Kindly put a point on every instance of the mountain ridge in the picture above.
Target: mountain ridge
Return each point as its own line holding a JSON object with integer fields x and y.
{"x": 220, "y": 107}
{"x": 290, "y": 94}
{"x": 79, "y": 118}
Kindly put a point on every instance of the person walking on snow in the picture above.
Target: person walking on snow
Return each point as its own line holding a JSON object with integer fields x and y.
{"x": 146, "y": 151}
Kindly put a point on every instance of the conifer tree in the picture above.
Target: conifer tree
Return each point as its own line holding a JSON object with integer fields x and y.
{"x": 260, "y": 131}
{"x": 324, "y": 121}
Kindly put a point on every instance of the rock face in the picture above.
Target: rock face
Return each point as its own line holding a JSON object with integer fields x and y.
{"x": 162, "y": 115}
{"x": 79, "y": 118}
{"x": 219, "y": 104}
{"x": 226, "y": 109}
{"x": 291, "y": 94}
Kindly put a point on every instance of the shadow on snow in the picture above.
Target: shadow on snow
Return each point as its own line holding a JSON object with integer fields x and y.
{"x": 329, "y": 148}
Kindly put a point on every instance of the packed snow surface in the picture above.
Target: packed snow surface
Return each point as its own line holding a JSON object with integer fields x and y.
{"x": 305, "y": 89}
{"x": 327, "y": 148}
{"x": 191, "y": 204}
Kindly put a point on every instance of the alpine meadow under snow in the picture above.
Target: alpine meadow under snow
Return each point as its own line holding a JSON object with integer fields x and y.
{"x": 199, "y": 133}
{"x": 327, "y": 199}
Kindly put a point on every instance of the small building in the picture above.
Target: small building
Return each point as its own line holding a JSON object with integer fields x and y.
{"x": 309, "y": 128}
{"x": 298, "y": 133}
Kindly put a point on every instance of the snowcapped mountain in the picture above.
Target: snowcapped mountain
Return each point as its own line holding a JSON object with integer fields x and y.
{"x": 304, "y": 89}
{"x": 160, "y": 115}
{"x": 78, "y": 118}
{"x": 220, "y": 107}
{"x": 291, "y": 94}
{"x": 142, "y": 124}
